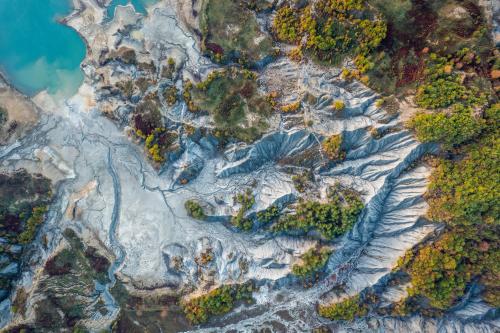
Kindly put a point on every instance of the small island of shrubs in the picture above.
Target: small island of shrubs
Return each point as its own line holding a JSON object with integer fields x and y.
{"x": 348, "y": 309}
{"x": 217, "y": 302}
{"x": 312, "y": 261}
{"x": 246, "y": 200}
{"x": 195, "y": 210}
{"x": 332, "y": 147}
{"x": 330, "y": 219}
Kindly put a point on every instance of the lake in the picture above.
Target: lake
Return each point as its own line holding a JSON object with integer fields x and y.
{"x": 37, "y": 52}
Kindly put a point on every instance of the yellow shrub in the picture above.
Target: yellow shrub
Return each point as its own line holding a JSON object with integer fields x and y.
{"x": 292, "y": 107}
{"x": 338, "y": 105}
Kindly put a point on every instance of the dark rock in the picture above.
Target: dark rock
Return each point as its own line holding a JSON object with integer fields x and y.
{"x": 3, "y": 294}
{"x": 10, "y": 270}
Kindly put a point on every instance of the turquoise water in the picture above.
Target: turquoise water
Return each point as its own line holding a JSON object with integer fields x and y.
{"x": 139, "y": 5}
{"x": 36, "y": 52}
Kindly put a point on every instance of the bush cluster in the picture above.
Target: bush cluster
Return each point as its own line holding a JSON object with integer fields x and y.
{"x": 24, "y": 200}
{"x": 311, "y": 261}
{"x": 169, "y": 70}
{"x": 453, "y": 128}
{"x": 36, "y": 218}
{"x": 268, "y": 215}
{"x": 170, "y": 95}
{"x": 300, "y": 181}
{"x": 331, "y": 29}
{"x": 463, "y": 193}
{"x": 348, "y": 309}
{"x": 292, "y": 107}
{"x": 332, "y": 147}
{"x": 158, "y": 142}
{"x": 194, "y": 209}
{"x": 443, "y": 88}
{"x": 217, "y": 302}
{"x": 246, "y": 200}
{"x": 188, "y": 98}
{"x": 338, "y": 105}
{"x": 330, "y": 219}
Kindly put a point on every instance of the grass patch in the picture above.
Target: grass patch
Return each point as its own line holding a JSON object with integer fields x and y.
{"x": 150, "y": 313}
{"x": 23, "y": 204}
{"x": 231, "y": 33}
{"x": 232, "y": 97}
{"x": 67, "y": 284}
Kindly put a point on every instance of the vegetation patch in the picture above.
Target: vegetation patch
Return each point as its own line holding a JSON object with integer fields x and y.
{"x": 414, "y": 27}
{"x": 4, "y": 116}
{"x": 24, "y": 200}
{"x": 151, "y": 313}
{"x": 170, "y": 70}
{"x": 330, "y": 30}
{"x": 269, "y": 215}
{"x": 147, "y": 116}
{"x": 232, "y": 97}
{"x": 217, "y": 302}
{"x": 338, "y": 105}
{"x": 312, "y": 261}
{"x": 195, "y": 210}
{"x": 441, "y": 271}
{"x": 23, "y": 204}
{"x": 158, "y": 143}
{"x": 330, "y": 219}
{"x": 230, "y": 32}
{"x": 68, "y": 286}
{"x": 291, "y": 108}
{"x": 466, "y": 191}
{"x": 348, "y": 309}
{"x": 170, "y": 94}
{"x": 205, "y": 257}
{"x": 453, "y": 128}
{"x": 246, "y": 200}
{"x": 464, "y": 194}
{"x": 332, "y": 147}
{"x": 300, "y": 182}
{"x": 443, "y": 88}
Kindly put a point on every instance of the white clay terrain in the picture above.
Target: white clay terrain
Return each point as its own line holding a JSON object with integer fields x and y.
{"x": 107, "y": 187}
